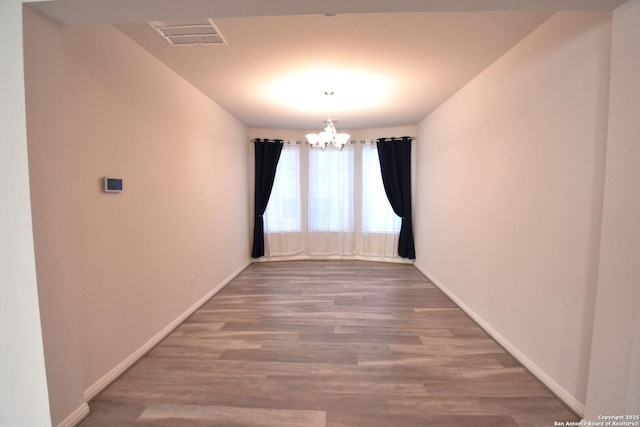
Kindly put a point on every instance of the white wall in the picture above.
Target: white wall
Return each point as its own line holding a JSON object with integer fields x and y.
{"x": 23, "y": 390}
{"x": 615, "y": 360}
{"x": 114, "y": 270}
{"x": 509, "y": 192}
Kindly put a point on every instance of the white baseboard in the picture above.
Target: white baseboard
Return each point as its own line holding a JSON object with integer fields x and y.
{"x": 395, "y": 260}
{"x": 119, "y": 369}
{"x": 76, "y": 416}
{"x": 538, "y": 372}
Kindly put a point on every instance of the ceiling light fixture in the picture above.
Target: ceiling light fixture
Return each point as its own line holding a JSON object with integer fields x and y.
{"x": 329, "y": 136}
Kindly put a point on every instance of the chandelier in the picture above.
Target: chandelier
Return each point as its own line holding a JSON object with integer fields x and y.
{"x": 329, "y": 135}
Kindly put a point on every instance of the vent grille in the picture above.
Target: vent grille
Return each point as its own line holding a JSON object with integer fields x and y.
{"x": 188, "y": 33}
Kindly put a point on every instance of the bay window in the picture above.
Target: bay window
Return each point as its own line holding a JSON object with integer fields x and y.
{"x": 330, "y": 203}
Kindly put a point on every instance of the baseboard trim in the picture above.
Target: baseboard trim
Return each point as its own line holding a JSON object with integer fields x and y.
{"x": 76, "y": 416}
{"x": 96, "y": 388}
{"x": 395, "y": 260}
{"x": 538, "y": 372}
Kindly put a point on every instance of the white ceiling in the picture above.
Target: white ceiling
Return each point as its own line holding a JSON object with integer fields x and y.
{"x": 390, "y": 63}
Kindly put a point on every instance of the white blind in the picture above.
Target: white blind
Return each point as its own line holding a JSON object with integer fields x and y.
{"x": 283, "y": 210}
{"x": 377, "y": 214}
{"x": 331, "y": 189}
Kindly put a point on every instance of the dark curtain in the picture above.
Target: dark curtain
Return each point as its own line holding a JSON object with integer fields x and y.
{"x": 267, "y": 156}
{"x": 395, "y": 163}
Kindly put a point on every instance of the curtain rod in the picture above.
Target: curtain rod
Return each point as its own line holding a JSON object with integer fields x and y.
{"x": 353, "y": 141}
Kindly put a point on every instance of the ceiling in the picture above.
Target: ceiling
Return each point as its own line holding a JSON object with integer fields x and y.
{"x": 388, "y": 63}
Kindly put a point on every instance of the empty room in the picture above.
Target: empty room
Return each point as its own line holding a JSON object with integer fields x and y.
{"x": 302, "y": 213}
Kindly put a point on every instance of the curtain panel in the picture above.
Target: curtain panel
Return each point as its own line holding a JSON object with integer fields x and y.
{"x": 395, "y": 164}
{"x": 267, "y": 154}
{"x": 330, "y": 217}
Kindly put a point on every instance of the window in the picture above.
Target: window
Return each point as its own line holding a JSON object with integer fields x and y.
{"x": 377, "y": 214}
{"x": 320, "y": 197}
{"x": 283, "y": 211}
{"x": 331, "y": 189}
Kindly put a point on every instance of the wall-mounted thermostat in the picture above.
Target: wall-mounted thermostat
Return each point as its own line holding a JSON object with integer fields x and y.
{"x": 112, "y": 184}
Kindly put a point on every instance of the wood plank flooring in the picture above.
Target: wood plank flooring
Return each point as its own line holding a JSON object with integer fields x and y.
{"x": 328, "y": 343}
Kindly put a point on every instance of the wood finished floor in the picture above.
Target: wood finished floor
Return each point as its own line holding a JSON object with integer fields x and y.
{"x": 327, "y": 343}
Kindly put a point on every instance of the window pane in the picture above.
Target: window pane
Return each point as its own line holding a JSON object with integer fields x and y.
{"x": 377, "y": 214}
{"x": 331, "y": 189}
{"x": 283, "y": 210}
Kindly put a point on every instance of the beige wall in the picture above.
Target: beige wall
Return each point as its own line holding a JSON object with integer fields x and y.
{"x": 22, "y": 367}
{"x": 613, "y": 380}
{"x": 54, "y": 215}
{"x": 115, "y": 269}
{"x": 509, "y": 192}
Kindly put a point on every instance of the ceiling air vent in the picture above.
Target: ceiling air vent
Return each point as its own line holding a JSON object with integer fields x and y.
{"x": 188, "y": 33}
